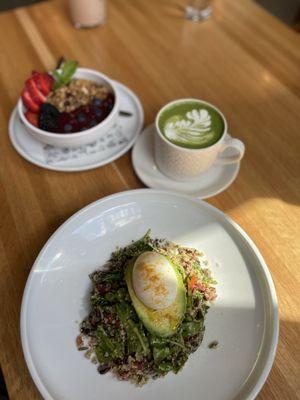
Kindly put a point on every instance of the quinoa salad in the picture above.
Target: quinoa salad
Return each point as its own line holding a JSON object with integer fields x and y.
{"x": 119, "y": 336}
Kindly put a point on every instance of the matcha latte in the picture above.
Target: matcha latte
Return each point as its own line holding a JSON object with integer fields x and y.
{"x": 191, "y": 124}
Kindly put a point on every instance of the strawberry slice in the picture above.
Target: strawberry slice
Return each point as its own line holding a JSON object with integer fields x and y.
{"x": 29, "y": 103}
{"x": 33, "y": 118}
{"x": 44, "y": 82}
{"x": 40, "y": 82}
{"x": 37, "y": 96}
{"x": 49, "y": 81}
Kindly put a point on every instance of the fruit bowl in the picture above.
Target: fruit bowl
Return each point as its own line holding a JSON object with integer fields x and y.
{"x": 78, "y": 138}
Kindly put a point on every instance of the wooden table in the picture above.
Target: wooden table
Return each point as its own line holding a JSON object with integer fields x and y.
{"x": 243, "y": 60}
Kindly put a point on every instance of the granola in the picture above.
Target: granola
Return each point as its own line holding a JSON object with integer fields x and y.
{"x": 79, "y": 92}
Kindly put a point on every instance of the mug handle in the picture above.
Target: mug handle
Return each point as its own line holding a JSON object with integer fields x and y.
{"x": 231, "y": 143}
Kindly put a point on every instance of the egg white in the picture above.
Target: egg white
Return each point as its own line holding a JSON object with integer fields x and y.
{"x": 154, "y": 280}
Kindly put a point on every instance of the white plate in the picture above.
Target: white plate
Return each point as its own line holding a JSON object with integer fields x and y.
{"x": 244, "y": 319}
{"x": 215, "y": 180}
{"x": 93, "y": 155}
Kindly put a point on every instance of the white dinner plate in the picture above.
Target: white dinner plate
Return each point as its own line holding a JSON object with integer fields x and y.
{"x": 92, "y": 155}
{"x": 244, "y": 318}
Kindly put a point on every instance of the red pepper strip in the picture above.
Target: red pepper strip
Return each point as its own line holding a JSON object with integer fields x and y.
{"x": 193, "y": 284}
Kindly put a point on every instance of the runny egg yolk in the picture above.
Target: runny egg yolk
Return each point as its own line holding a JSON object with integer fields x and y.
{"x": 154, "y": 280}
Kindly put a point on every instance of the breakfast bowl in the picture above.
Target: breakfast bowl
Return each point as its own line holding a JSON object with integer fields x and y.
{"x": 81, "y": 137}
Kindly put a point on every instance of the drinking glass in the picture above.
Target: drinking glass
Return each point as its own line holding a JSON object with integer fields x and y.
{"x": 87, "y": 13}
{"x": 198, "y": 10}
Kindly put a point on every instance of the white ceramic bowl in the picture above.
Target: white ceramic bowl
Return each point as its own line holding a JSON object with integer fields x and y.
{"x": 78, "y": 138}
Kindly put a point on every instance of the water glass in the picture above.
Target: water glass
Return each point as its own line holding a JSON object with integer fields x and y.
{"x": 198, "y": 10}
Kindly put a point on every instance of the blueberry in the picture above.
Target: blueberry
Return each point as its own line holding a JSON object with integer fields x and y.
{"x": 97, "y": 102}
{"x": 92, "y": 123}
{"x": 98, "y": 112}
{"x": 68, "y": 128}
{"x": 81, "y": 117}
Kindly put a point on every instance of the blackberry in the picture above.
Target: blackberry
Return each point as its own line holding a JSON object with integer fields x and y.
{"x": 49, "y": 117}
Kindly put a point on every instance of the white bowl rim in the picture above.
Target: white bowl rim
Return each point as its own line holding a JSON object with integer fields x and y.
{"x": 86, "y": 132}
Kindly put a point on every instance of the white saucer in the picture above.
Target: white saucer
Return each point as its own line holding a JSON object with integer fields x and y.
{"x": 93, "y": 155}
{"x": 210, "y": 183}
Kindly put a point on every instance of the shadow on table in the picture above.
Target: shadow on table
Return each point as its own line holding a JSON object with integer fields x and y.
{"x": 3, "y": 390}
{"x": 239, "y": 194}
{"x": 253, "y": 184}
{"x": 11, "y": 4}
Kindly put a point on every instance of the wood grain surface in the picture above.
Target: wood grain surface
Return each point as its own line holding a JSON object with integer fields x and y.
{"x": 243, "y": 60}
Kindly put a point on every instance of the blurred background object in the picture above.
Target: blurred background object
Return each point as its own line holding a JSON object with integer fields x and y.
{"x": 9, "y": 4}
{"x": 286, "y": 10}
{"x": 198, "y": 10}
{"x": 87, "y": 13}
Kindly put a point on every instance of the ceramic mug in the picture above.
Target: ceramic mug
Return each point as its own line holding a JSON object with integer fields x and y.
{"x": 181, "y": 163}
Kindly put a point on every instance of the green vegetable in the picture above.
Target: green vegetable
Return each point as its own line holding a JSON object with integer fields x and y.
{"x": 164, "y": 366}
{"x": 108, "y": 349}
{"x": 172, "y": 342}
{"x": 116, "y": 297}
{"x": 192, "y": 328}
{"x": 111, "y": 277}
{"x": 157, "y": 341}
{"x": 64, "y": 75}
{"x": 137, "y": 341}
{"x": 160, "y": 354}
{"x": 123, "y": 311}
{"x": 134, "y": 249}
{"x": 180, "y": 361}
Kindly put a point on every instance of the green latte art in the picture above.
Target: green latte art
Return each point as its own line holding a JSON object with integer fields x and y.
{"x": 191, "y": 124}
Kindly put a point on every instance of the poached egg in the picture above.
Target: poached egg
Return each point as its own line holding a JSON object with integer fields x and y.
{"x": 154, "y": 280}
